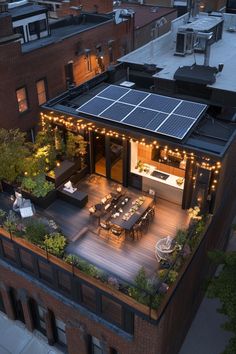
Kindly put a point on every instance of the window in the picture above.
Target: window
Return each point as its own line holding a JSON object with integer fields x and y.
{"x": 20, "y": 30}
{"x": 22, "y": 100}
{"x": 41, "y": 91}
{"x": 60, "y": 332}
{"x": 110, "y": 50}
{"x": 88, "y": 59}
{"x": 37, "y": 27}
{"x": 96, "y": 347}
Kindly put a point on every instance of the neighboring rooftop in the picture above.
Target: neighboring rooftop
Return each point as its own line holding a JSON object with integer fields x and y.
{"x": 160, "y": 52}
{"x": 145, "y": 14}
{"x": 26, "y": 10}
{"x": 67, "y": 27}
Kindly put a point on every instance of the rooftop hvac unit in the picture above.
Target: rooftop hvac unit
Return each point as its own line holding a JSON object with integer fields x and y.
{"x": 185, "y": 41}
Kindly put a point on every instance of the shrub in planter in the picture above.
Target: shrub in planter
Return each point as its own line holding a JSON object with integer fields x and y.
{"x": 181, "y": 237}
{"x": 35, "y": 231}
{"x": 37, "y": 185}
{"x": 55, "y": 243}
{"x": 113, "y": 282}
{"x": 142, "y": 289}
{"x": 172, "y": 276}
{"x": 2, "y": 216}
{"x": 10, "y": 223}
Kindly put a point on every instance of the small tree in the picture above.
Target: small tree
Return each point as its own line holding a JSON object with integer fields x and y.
{"x": 13, "y": 151}
{"x": 71, "y": 146}
{"x": 223, "y": 287}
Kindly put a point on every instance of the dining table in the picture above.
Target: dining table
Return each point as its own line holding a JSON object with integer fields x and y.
{"x": 136, "y": 215}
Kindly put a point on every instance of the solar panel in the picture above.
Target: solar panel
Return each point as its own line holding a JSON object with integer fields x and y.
{"x": 113, "y": 92}
{"x": 95, "y": 106}
{"x": 155, "y": 123}
{"x": 160, "y": 103}
{"x": 176, "y": 126}
{"x": 140, "y": 117}
{"x": 160, "y": 114}
{"x": 189, "y": 109}
{"x": 134, "y": 97}
{"x": 117, "y": 111}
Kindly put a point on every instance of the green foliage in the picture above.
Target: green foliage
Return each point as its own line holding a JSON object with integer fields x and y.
{"x": 10, "y": 223}
{"x": 145, "y": 289}
{"x": 172, "y": 276}
{"x": 45, "y": 136}
{"x": 2, "y": 216}
{"x": 71, "y": 146}
{"x": 75, "y": 146}
{"x": 181, "y": 237}
{"x": 168, "y": 276}
{"x": 200, "y": 227}
{"x": 162, "y": 274}
{"x": 59, "y": 142}
{"x": 35, "y": 231}
{"x": 37, "y": 185}
{"x": 55, "y": 243}
{"x": 223, "y": 287}
{"x": 13, "y": 151}
{"x": 85, "y": 266}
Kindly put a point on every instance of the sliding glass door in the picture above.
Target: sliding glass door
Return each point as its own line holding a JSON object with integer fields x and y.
{"x": 108, "y": 157}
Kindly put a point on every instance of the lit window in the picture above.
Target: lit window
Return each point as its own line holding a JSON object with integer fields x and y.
{"x": 22, "y": 101}
{"x": 88, "y": 59}
{"x": 41, "y": 91}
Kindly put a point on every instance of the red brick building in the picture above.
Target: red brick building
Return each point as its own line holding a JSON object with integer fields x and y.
{"x": 78, "y": 48}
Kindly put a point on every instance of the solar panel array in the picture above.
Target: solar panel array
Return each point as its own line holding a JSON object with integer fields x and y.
{"x": 160, "y": 114}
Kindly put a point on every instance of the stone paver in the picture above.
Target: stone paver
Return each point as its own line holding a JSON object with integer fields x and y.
{"x": 16, "y": 339}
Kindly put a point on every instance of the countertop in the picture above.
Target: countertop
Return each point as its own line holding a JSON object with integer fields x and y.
{"x": 171, "y": 180}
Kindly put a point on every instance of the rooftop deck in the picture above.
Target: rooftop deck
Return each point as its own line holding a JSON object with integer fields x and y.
{"x": 124, "y": 261}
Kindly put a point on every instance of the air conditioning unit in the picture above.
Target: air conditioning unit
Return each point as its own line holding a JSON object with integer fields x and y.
{"x": 185, "y": 42}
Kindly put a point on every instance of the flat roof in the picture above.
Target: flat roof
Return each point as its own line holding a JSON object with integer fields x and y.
{"x": 26, "y": 10}
{"x": 145, "y": 14}
{"x": 211, "y": 134}
{"x": 160, "y": 52}
{"x": 66, "y": 27}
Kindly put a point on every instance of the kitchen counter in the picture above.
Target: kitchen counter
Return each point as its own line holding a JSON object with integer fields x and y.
{"x": 165, "y": 188}
{"x": 171, "y": 180}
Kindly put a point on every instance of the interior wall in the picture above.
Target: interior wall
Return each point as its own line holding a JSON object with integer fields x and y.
{"x": 145, "y": 155}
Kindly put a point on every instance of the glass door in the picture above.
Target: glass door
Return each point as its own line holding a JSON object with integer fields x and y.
{"x": 108, "y": 157}
{"x": 100, "y": 154}
{"x": 116, "y": 159}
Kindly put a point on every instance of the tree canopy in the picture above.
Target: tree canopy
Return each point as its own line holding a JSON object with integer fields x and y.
{"x": 223, "y": 287}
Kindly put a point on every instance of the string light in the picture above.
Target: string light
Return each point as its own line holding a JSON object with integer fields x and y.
{"x": 76, "y": 124}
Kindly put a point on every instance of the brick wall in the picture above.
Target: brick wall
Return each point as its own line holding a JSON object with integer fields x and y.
{"x": 18, "y": 69}
{"x": 80, "y": 323}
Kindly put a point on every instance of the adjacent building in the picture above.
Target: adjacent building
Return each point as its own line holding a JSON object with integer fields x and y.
{"x": 39, "y": 61}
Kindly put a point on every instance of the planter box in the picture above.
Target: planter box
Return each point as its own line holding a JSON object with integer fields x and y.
{"x": 63, "y": 172}
{"x": 42, "y": 202}
{"x": 79, "y": 175}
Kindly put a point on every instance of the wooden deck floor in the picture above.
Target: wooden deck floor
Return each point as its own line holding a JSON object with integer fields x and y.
{"x": 125, "y": 261}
